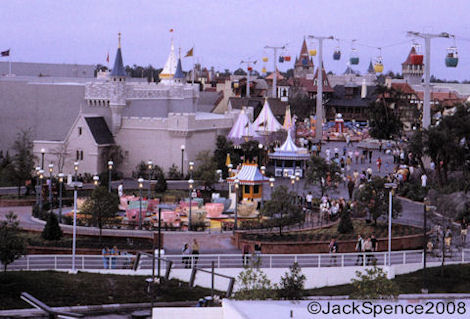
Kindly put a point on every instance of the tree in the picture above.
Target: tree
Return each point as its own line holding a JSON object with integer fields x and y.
{"x": 373, "y": 284}
{"x": 301, "y": 104}
{"x": 373, "y": 197}
{"x": 292, "y": 283}
{"x": 156, "y": 173}
{"x": 253, "y": 283}
{"x": 23, "y": 160}
{"x": 383, "y": 120}
{"x": 239, "y": 71}
{"x": 206, "y": 169}
{"x": 174, "y": 172}
{"x": 102, "y": 207}
{"x": 222, "y": 148}
{"x": 319, "y": 171}
{"x": 282, "y": 208}
{"x": 52, "y": 229}
{"x": 345, "y": 225}
{"x": 12, "y": 246}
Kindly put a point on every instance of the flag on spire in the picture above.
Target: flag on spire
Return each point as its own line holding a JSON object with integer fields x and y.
{"x": 189, "y": 53}
{"x": 107, "y": 57}
{"x": 5, "y": 53}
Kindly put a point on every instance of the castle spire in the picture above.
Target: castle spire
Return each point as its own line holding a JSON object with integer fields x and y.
{"x": 118, "y": 69}
{"x": 170, "y": 66}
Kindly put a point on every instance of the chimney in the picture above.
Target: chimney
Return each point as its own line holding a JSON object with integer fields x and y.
{"x": 363, "y": 89}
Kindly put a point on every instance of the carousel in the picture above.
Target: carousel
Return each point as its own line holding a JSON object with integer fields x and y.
{"x": 289, "y": 159}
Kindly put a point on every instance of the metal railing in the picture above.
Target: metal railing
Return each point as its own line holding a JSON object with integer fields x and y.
{"x": 95, "y": 262}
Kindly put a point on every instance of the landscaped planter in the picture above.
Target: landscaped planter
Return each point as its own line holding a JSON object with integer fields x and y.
{"x": 17, "y": 202}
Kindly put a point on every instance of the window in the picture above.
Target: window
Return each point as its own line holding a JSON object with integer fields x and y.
{"x": 247, "y": 189}
{"x": 256, "y": 189}
{"x": 81, "y": 155}
{"x": 79, "y": 130}
{"x": 77, "y": 157}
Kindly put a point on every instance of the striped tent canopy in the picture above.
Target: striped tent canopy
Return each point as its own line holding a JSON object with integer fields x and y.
{"x": 243, "y": 131}
{"x": 287, "y": 119}
{"x": 290, "y": 151}
{"x": 249, "y": 174}
{"x": 266, "y": 123}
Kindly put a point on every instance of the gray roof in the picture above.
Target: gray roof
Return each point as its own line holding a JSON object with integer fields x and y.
{"x": 208, "y": 101}
{"x": 48, "y": 69}
{"x": 118, "y": 69}
{"x": 339, "y": 97}
{"x": 100, "y": 131}
{"x": 278, "y": 107}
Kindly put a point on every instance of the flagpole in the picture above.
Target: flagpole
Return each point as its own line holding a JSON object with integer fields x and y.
{"x": 192, "y": 75}
{"x": 9, "y": 59}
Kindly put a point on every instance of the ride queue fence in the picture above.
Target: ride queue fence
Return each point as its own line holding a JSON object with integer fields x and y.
{"x": 120, "y": 262}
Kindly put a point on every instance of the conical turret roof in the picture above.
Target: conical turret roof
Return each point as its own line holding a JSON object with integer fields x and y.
{"x": 289, "y": 150}
{"x": 242, "y": 130}
{"x": 170, "y": 66}
{"x": 179, "y": 71}
{"x": 287, "y": 120}
{"x": 118, "y": 68}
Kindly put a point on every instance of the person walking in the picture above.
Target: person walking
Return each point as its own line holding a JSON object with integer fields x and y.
{"x": 463, "y": 231}
{"x": 351, "y": 185}
{"x": 370, "y": 156}
{"x": 359, "y": 249}
{"x": 333, "y": 249}
{"x": 379, "y": 163}
{"x": 368, "y": 250}
{"x": 309, "y": 199}
{"x": 105, "y": 253}
{"x": 448, "y": 239}
{"x": 185, "y": 252}
{"x": 114, "y": 252}
{"x": 356, "y": 156}
{"x": 195, "y": 251}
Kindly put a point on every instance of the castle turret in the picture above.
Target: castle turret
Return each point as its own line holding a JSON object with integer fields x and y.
{"x": 170, "y": 66}
{"x": 118, "y": 99}
{"x": 303, "y": 67}
{"x": 179, "y": 75}
{"x": 412, "y": 68}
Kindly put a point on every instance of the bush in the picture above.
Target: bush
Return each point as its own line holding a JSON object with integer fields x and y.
{"x": 374, "y": 284}
{"x": 292, "y": 284}
{"x": 253, "y": 283}
{"x": 52, "y": 229}
{"x": 345, "y": 224}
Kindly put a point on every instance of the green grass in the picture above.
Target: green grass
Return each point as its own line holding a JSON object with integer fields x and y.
{"x": 61, "y": 289}
{"x": 455, "y": 280}
{"x": 360, "y": 227}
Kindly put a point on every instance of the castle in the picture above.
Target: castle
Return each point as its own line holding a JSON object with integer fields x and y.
{"x": 148, "y": 121}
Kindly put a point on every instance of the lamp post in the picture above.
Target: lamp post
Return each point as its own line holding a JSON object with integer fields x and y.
{"x": 230, "y": 167}
{"x": 390, "y": 187}
{"x": 190, "y": 182}
{"x": 297, "y": 180}
{"x": 237, "y": 184}
{"x": 150, "y": 168}
{"x": 96, "y": 180}
{"x": 260, "y": 148}
{"x": 41, "y": 177}
{"x": 141, "y": 185}
{"x": 76, "y": 185}
{"x": 51, "y": 169}
{"x": 43, "y": 152}
{"x": 182, "y": 160}
{"x": 75, "y": 168}
{"x": 61, "y": 181}
{"x": 110, "y": 178}
{"x": 38, "y": 168}
{"x": 292, "y": 181}
{"x": 263, "y": 171}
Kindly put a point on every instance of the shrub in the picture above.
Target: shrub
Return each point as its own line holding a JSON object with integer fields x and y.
{"x": 292, "y": 283}
{"x": 345, "y": 224}
{"x": 374, "y": 284}
{"x": 253, "y": 282}
{"x": 52, "y": 229}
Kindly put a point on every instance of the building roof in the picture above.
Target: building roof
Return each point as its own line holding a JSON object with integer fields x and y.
{"x": 304, "y": 55}
{"x": 249, "y": 174}
{"x": 48, "y": 70}
{"x": 403, "y": 88}
{"x": 370, "y": 69}
{"x": 278, "y": 76}
{"x": 287, "y": 120}
{"x": 100, "y": 131}
{"x": 266, "y": 122}
{"x": 170, "y": 66}
{"x": 340, "y": 99}
{"x": 290, "y": 151}
{"x": 179, "y": 71}
{"x": 408, "y": 58}
{"x": 118, "y": 68}
{"x": 444, "y": 98}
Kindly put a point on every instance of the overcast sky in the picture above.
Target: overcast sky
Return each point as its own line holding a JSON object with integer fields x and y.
{"x": 225, "y": 32}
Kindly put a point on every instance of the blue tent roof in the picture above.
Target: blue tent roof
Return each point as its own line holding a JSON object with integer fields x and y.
{"x": 179, "y": 71}
{"x": 118, "y": 69}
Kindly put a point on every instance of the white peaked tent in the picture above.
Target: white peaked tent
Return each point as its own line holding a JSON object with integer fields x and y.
{"x": 266, "y": 123}
{"x": 242, "y": 130}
